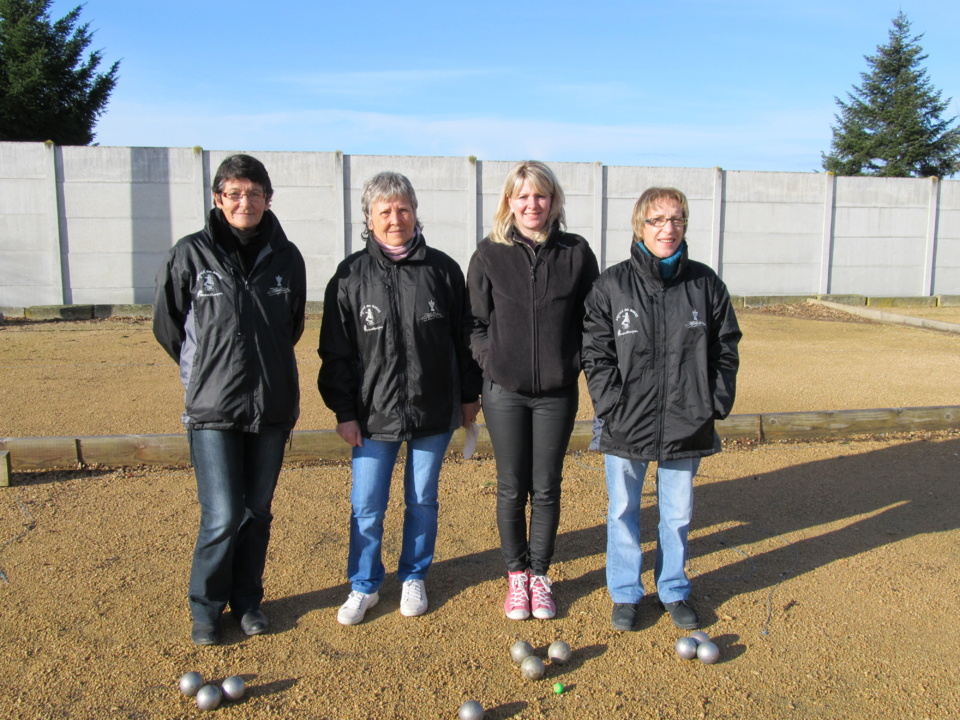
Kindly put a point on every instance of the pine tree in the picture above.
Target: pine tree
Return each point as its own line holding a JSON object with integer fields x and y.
{"x": 48, "y": 90}
{"x": 893, "y": 124}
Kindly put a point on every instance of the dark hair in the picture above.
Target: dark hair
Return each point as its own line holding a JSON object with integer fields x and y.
{"x": 242, "y": 167}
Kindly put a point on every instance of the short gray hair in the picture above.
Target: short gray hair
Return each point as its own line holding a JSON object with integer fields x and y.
{"x": 386, "y": 186}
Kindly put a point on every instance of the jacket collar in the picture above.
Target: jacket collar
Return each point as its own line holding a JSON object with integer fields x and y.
{"x": 649, "y": 266}
{"x": 417, "y": 253}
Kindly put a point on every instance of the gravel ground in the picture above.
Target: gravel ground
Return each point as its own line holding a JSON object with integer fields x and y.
{"x": 826, "y": 572}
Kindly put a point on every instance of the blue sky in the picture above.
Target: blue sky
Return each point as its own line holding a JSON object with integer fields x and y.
{"x": 745, "y": 85}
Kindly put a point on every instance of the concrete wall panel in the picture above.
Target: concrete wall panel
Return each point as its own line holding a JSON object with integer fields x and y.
{"x": 879, "y": 281}
{"x": 774, "y": 187}
{"x": 882, "y": 192}
{"x": 759, "y": 279}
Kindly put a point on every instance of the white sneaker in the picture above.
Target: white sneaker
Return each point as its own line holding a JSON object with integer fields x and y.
{"x": 413, "y": 599}
{"x": 356, "y": 606}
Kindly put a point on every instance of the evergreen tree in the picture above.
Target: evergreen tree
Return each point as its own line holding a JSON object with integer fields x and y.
{"x": 893, "y": 124}
{"x": 48, "y": 90}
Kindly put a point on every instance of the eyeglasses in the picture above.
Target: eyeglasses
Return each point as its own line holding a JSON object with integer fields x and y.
{"x": 659, "y": 222}
{"x": 254, "y": 196}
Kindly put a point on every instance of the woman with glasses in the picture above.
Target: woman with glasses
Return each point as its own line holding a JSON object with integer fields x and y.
{"x": 660, "y": 355}
{"x": 527, "y": 283}
{"x": 229, "y": 308}
{"x": 395, "y": 370}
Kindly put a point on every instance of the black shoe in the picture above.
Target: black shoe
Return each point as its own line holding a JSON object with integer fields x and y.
{"x": 683, "y": 614}
{"x": 205, "y": 634}
{"x": 626, "y": 616}
{"x": 254, "y": 622}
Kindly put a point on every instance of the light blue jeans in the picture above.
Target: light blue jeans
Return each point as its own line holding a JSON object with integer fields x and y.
{"x": 372, "y": 470}
{"x": 675, "y": 501}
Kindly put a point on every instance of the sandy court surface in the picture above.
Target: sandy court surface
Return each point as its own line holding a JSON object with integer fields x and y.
{"x": 826, "y": 572}
{"x": 110, "y": 377}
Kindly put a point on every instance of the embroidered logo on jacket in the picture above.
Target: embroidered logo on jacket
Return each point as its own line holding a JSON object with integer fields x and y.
{"x": 208, "y": 280}
{"x": 625, "y": 322}
{"x": 696, "y": 322}
{"x": 279, "y": 289}
{"x": 432, "y": 314}
{"x": 370, "y": 318}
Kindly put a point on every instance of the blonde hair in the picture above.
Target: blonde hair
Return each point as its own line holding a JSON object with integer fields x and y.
{"x": 543, "y": 181}
{"x": 649, "y": 198}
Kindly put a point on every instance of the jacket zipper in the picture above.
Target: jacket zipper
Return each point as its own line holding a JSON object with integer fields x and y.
{"x": 660, "y": 360}
{"x": 536, "y": 322}
{"x": 401, "y": 346}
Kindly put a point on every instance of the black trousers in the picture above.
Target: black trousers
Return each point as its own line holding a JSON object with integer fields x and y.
{"x": 530, "y": 434}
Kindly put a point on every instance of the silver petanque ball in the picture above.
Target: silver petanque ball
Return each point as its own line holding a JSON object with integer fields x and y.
{"x": 208, "y": 697}
{"x": 700, "y": 636}
{"x": 233, "y": 687}
{"x": 521, "y": 649}
{"x": 190, "y": 683}
{"x": 559, "y": 652}
{"x": 471, "y": 710}
{"x": 708, "y": 652}
{"x": 532, "y": 668}
{"x": 686, "y": 648}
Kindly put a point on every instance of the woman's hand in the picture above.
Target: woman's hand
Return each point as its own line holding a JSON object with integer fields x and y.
{"x": 350, "y": 432}
{"x": 470, "y": 412}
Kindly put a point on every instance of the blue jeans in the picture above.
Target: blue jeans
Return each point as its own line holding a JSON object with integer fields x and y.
{"x": 372, "y": 470}
{"x": 236, "y": 475}
{"x": 675, "y": 502}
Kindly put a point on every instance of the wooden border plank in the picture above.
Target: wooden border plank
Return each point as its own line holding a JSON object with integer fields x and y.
{"x": 307, "y": 445}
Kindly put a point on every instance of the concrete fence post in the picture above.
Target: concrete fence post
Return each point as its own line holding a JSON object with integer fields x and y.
{"x": 204, "y": 198}
{"x": 599, "y": 192}
{"x": 716, "y": 226}
{"x": 473, "y": 231}
{"x": 340, "y": 193}
{"x": 60, "y": 270}
{"x": 826, "y": 236}
{"x": 930, "y": 248}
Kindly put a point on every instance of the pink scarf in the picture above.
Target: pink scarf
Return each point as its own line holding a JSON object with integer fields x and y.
{"x": 398, "y": 253}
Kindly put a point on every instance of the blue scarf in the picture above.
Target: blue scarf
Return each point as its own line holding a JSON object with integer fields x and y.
{"x": 667, "y": 266}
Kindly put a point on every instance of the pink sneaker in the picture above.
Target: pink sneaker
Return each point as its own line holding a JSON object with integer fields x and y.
{"x": 541, "y": 599}
{"x": 517, "y": 605}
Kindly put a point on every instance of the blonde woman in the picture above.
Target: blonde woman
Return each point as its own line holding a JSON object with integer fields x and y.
{"x": 527, "y": 283}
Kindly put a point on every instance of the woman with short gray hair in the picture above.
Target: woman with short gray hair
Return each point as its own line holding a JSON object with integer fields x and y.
{"x": 395, "y": 369}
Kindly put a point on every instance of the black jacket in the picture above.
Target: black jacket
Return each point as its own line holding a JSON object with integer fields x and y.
{"x": 393, "y": 344}
{"x": 527, "y": 311}
{"x": 233, "y": 334}
{"x": 660, "y": 358}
